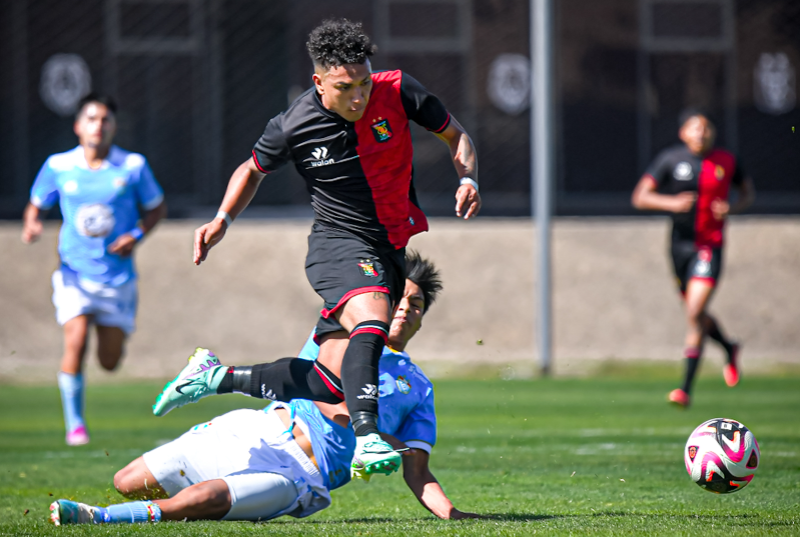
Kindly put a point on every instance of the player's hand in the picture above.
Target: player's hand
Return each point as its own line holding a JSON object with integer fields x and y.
{"x": 468, "y": 201}
{"x": 206, "y": 237}
{"x": 684, "y": 202}
{"x": 32, "y": 230}
{"x": 123, "y": 246}
{"x": 720, "y": 208}
{"x": 455, "y": 514}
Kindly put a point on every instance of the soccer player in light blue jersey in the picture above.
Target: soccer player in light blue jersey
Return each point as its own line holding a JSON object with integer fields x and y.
{"x": 109, "y": 201}
{"x": 284, "y": 460}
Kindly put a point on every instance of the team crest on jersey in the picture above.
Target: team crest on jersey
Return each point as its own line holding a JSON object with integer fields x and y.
{"x": 403, "y": 385}
{"x": 719, "y": 172}
{"x": 368, "y": 268}
{"x": 382, "y": 131}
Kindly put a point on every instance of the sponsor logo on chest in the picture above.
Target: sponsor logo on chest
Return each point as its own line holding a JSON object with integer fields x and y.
{"x": 683, "y": 172}
{"x": 320, "y": 155}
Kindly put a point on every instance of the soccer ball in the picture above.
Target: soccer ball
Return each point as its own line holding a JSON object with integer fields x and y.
{"x": 722, "y": 455}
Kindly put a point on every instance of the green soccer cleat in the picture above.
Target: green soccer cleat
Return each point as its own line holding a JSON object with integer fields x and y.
{"x": 69, "y": 512}
{"x": 197, "y": 380}
{"x": 373, "y": 456}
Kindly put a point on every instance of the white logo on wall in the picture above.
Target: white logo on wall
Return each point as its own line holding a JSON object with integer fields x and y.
{"x": 510, "y": 83}
{"x": 95, "y": 220}
{"x": 774, "y": 80}
{"x": 65, "y": 81}
{"x": 683, "y": 171}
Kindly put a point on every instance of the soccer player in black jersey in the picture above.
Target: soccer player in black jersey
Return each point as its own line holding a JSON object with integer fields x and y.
{"x": 692, "y": 180}
{"x": 348, "y": 136}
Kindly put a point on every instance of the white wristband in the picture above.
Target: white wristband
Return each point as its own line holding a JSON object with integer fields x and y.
{"x": 225, "y": 216}
{"x": 469, "y": 181}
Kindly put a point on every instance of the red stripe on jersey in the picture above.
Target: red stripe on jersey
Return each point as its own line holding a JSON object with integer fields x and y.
{"x": 350, "y": 294}
{"x": 444, "y": 126}
{"x": 713, "y": 183}
{"x": 387, "y": 162}
{"x": 255, "y": 159}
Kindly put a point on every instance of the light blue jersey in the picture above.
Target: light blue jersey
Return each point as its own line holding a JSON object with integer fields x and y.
{"x": 98, "y": 206}
{"x": 405, "y": 411}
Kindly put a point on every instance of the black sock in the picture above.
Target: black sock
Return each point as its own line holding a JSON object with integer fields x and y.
{"x": 692, "y": 361}
{"x": 284, "y": 380}
{"x": 360, "y": 374}
{"x": 715, "y": 333}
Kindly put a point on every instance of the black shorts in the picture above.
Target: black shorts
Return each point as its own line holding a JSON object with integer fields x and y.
{"x": 692, "y": 262}
{"x": 340, "y": 265}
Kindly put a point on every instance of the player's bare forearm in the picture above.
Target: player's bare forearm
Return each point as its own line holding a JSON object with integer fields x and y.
{"x": 241, "y": 189}
{"x": 152, "y": 217}
{"x": 465, "y": 161}
{"x": 32, "y": 225}
{"x": 242, "y": 186}
{"x": 462, "y": 150}
{"x": 747, "y": 195}
{"x": 426, "y": 488}
{"x": 646, "y": 198}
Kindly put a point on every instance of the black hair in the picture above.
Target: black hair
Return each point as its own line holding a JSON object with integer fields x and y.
{"x": 93, "y": 97}
{"x": 338, "y": 42}
{"x": 424, "y": 273}
{"x": 693, "y": 111}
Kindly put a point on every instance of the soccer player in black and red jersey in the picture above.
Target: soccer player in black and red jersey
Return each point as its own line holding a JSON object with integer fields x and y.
{"x": 349, "y": 137}
{"x": 692, "y": 180}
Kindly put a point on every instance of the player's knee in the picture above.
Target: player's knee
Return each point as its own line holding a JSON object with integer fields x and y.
{"x": 123, "y": 484}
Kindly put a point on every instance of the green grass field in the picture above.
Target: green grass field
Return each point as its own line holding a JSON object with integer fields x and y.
{"x": 562, "y": 456}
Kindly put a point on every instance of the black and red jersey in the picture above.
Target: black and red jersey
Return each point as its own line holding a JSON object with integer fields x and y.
{"x": 359, "y": 174}
{"x": 678, "y": 170}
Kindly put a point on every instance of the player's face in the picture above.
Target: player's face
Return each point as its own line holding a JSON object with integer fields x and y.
{"x": 698, "y": 134}
{"x": 408, "y": 316}
{"x": 345, "y": 89}
{"x": 95, "y": 126}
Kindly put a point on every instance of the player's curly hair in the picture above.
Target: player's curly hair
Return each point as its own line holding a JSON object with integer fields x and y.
{"x": 424, "y": 273}
{"x": 338, "y": 42}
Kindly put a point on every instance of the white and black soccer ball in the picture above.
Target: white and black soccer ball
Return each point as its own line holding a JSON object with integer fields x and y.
{"x": 722, "y": 455}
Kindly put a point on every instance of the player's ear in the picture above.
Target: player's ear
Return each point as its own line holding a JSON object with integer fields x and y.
{"x": 317, "y": 78}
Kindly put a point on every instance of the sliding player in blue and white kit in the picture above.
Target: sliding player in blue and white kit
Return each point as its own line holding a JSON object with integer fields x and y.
{"x": 109, "y": 200}
{"x": 284, "y": 460}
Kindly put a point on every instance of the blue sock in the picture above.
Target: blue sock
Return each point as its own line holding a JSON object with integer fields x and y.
{"x": 71, "y": 387}
{"x": 128, "y": 513}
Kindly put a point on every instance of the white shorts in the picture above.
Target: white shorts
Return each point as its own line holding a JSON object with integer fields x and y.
{"x": 110, "y": 306}
{"x": 267, "y": 477}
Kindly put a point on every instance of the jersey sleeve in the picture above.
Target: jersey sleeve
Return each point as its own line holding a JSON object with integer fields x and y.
{"x": 418, "y": 430}
{"x": 44, "y": 193}
{"x": 271, "y": 150}
{"x": 660, "y": 168}
{"x": 422, "y": 106}
{"x": 148, "y": 192}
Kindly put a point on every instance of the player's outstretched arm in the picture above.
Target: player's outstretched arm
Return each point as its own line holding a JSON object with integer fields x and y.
{"x": 646, "y": 197}
{"x": 241, "y": 189}
{"x": 465, "y": 160}
{"x": 426, "y": 488}
{"x": 32, "y": 223}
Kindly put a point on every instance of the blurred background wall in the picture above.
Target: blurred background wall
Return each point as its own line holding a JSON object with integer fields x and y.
{"x": 613, "y": 298}
{"x": 197, "y": 80}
